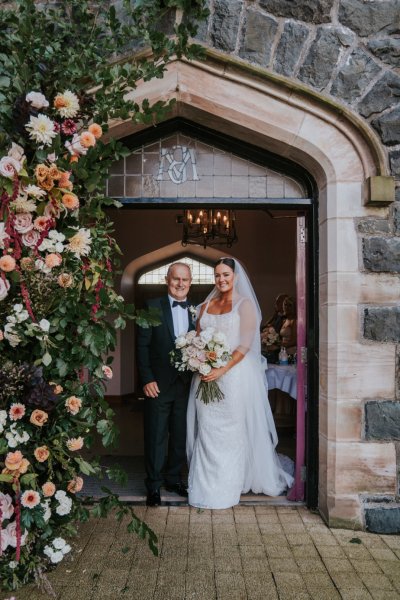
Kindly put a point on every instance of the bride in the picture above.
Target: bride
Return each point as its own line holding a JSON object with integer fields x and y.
{"x": 231, "y": 443}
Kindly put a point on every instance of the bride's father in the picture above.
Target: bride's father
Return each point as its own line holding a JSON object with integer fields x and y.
{"x": 165, "y": 388}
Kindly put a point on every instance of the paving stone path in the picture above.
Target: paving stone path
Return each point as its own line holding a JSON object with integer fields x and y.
{"x": 244, "y": 553}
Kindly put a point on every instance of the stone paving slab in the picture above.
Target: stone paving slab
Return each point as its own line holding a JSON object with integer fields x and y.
{"x": 244, "y": 553}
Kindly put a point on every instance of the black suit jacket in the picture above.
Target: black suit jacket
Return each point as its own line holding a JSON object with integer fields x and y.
{"x": 154, "y": 345}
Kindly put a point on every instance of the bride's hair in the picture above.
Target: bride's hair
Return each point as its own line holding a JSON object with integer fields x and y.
{"x": 226, "y": 261}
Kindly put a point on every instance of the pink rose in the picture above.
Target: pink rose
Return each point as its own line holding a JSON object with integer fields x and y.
{"x": 107, "y": 371}
{"x": 23, "y": 222}
{"x": 31, "y": 239}
{"x": 8, "y": 166}
{"x": 6, "y": 506}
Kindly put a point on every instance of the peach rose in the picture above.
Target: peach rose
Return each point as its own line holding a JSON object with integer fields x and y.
{"x": 54, "y": 173}
{"x": 211, "y": 355}
{"x": 87, "y": 139}
{"x": 41, "y": 453}
{"x": 64, "y": 181}
{"x": 74, "y": 444}
{"x": 53, "y": 260}
{"x": 17, "y": 411}
{"x": 96, "y": 130}
{"x": 41, "y": 172}
{"x": 70, "y": 201}
{"x": 7, "y": 263}
{"x": 73, "y": 405}
{"x": 47, "y": 184}
{"x": 57, "y": 389}
{"x": 75, "y": 485}
{"x": 24, "y": 466}
{"x": 73, "y": 158}
{"x": 48, "y": 489}
{"x": 30, "y": 499}
{"x": 39, "y": 417}
{"x": 13, "y": 460}
{"x": 65, "y": 280}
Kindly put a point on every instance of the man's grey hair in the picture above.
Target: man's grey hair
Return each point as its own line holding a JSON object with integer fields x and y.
{"x": 178, "y": 264}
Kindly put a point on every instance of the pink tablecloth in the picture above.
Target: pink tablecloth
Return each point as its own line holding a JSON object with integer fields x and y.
{"x": 283, "y": 378}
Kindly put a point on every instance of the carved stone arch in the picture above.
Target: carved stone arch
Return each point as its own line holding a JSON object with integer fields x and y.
{"x": 340, "y": 152}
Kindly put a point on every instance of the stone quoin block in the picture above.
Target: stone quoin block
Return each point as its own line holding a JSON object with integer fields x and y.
{"x": 382, "y": 254}
{"x": 382, "y": 420}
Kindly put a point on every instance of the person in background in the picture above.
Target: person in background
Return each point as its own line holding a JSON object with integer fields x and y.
{"x": 270, "y": 331}
{"x": 288, "y": 331}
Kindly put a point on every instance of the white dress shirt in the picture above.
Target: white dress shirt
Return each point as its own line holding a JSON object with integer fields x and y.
{"x": 180, "y": 317}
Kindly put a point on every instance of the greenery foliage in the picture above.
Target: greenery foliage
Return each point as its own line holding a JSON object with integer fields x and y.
{"x": 65, "y": 71}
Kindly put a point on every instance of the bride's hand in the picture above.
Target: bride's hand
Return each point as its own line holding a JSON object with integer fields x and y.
{"x": 214, "y": 374}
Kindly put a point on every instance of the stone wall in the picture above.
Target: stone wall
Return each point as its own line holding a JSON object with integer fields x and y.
{"x": 348, "y": 50}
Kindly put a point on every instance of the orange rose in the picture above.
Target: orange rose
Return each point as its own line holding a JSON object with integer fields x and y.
{"x": 7, "y": 263}
{"x": 47, "y": 184}
{"x": 87, "y": 139}
{"x": 70, "y": 201}
{"x": 73, "y": 158}
{"x": 64, "y": 181}
{"x": 96, "y": 130}
{"x": 73, "y": 405}
{"x": 54, "y": 173}
{"x": 75, "y": 485}
{"x": 48, "y": 489}
{"x": 13, "y": 460}
{"x": 74, "y": 444}
{"x": 39, "y": 417}
{"x": 42, "y": 453}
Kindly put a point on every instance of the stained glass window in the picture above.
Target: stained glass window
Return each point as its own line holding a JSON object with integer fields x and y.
{"x": 178, "y": 166}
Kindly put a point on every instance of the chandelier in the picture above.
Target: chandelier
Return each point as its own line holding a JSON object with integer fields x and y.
{"x": 208, "y": 227}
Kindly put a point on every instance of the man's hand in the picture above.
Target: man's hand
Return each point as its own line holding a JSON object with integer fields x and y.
{"x": 151, "y": 389}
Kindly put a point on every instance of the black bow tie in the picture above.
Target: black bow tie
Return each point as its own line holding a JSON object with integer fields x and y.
{"x": 181, "y": 304}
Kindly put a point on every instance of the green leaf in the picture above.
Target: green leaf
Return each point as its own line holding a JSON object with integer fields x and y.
{"x": 46, "y": 359}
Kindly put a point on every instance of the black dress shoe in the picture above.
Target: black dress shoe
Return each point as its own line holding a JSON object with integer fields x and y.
{"x": 177, "y": 488}
{"x": 153, "y": 498}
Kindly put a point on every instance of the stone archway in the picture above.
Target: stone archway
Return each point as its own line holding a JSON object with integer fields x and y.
{"x": 341, "y": 153}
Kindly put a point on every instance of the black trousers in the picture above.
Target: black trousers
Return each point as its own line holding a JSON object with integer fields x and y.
{"x": 165, "y": 422}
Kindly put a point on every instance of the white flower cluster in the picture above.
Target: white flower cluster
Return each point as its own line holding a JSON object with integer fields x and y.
{"x": 53, "y": 242}
{"x": 18, "y": 316}
{"x": 3, "y": 420}
{"x": 64, "y": 503}
{"x": 14, "y": 437}
{"x": 57, "y": 550}
{"x": 200, "y": 353}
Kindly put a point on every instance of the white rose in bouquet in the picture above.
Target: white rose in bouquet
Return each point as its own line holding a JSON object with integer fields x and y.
{"x": 194, "y": 363}
{"x": 199, "y": 343}
{"x": 207, "y": 334}
{"x": 180, "y": 341}
{"x": 204, "y": 369}
{"x": 219, "y": 338}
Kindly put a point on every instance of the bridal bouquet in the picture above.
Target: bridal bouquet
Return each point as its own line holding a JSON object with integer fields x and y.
{"x": 199, "y": 354}
{"x": 269, "y": 336}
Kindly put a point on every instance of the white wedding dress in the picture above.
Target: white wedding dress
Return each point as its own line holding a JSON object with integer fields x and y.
{"x": 231, "y": 443}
